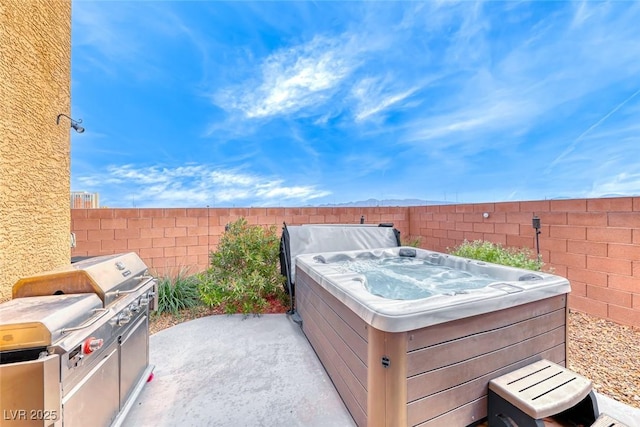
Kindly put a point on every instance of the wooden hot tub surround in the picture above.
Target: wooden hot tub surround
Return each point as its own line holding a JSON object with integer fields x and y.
{"x": 436, "y": 375}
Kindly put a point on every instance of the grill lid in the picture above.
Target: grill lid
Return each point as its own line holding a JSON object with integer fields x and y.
{"x": 106, "y": 276}
{"x": 39, "y": 321}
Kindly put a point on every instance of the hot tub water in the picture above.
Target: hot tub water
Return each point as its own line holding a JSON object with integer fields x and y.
{"x": 404, "y": 278}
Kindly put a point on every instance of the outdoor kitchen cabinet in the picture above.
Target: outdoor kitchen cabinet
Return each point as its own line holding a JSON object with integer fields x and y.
{"x": 94, "y": 401}
{"x": 134, "y": 357}
{"x": 41, "y": 405}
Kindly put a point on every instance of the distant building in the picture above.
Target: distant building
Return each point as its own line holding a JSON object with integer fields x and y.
{"x": 84, "y": 200}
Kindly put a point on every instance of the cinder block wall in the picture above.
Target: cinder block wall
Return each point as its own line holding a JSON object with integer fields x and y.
{"x": 35, "y": 68}
{"x": 171, "y": 239}
{"x": 595, "y": 243}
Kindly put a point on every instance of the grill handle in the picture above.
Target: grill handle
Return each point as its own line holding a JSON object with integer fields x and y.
{"x": 132, "y": 291}
{"x": 77, "y": 328}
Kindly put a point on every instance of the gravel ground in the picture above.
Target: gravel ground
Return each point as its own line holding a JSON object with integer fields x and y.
{"x": 608, "y": 354}
{"x": 166, "y": 320}
{"x": 605, "y": 352}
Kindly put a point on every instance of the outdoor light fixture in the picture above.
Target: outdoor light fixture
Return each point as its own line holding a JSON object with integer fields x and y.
{"x": 535, "y": 223}
{"x": 75, "y": 124}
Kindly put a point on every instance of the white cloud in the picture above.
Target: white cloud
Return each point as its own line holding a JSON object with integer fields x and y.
{"x": 193, "y": 185}
{"x": 590, "y": 129}
{"x": 129, "y": 37}
{"x": 105, "y": 40}
{"x": 556, "y": 65}
{"x": 99, "y": 28}
{"x": 469, "y": 124}
{"x": 275, "y": 189}
{"x": 291, "y": 79}
{"x": 226, "y": 178}
{"x": 374, "y": 95}
{"x": 624, "y": 183}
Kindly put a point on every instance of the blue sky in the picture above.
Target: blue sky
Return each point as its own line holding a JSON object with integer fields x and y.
{"x": 193, "y": 104}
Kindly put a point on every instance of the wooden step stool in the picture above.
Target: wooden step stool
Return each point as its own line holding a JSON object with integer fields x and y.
{"x": 605, "y": 420}
{"x": 537, "y": 391}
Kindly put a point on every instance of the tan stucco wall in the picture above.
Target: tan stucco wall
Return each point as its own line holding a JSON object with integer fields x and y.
{"x": 35, "y": 69}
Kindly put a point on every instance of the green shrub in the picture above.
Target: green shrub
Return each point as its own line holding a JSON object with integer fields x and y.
{"x": 244, "y": 272}
{"x": 495, "y": 253}
{"x": 413, "y": 241}
{"x": 178, "y": 293}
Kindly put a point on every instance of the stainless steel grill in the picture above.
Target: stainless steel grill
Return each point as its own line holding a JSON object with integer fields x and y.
{"x": 74, "y": 343}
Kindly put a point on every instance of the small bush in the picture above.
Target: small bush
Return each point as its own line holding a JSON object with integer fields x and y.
{"x": 413, "y": 241}
{"x": 244, "y": 272}
{"x": 495, "y": 253}
{"x": 178, "y": 293}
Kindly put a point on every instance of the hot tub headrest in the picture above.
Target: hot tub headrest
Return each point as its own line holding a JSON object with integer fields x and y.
{"x": 318, "y": 238}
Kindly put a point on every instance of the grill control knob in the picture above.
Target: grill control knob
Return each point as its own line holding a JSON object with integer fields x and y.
{"x": 144, "y": 300}
{"x": 124, "y": 317}
{"x": 134, "y": 308}
{"x": 91, "y": 344}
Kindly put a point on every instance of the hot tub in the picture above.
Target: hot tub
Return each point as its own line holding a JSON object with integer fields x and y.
{"x": 404, "y": 349}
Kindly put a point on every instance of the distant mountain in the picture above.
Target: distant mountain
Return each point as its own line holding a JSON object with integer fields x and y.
{"x": 387, "y": 202}
{"x": 618, "y": 195}
{"x": 603, "y": 196}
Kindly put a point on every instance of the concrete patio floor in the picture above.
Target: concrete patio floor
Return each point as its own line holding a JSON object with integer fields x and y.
{"x": 258, "y": 371}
